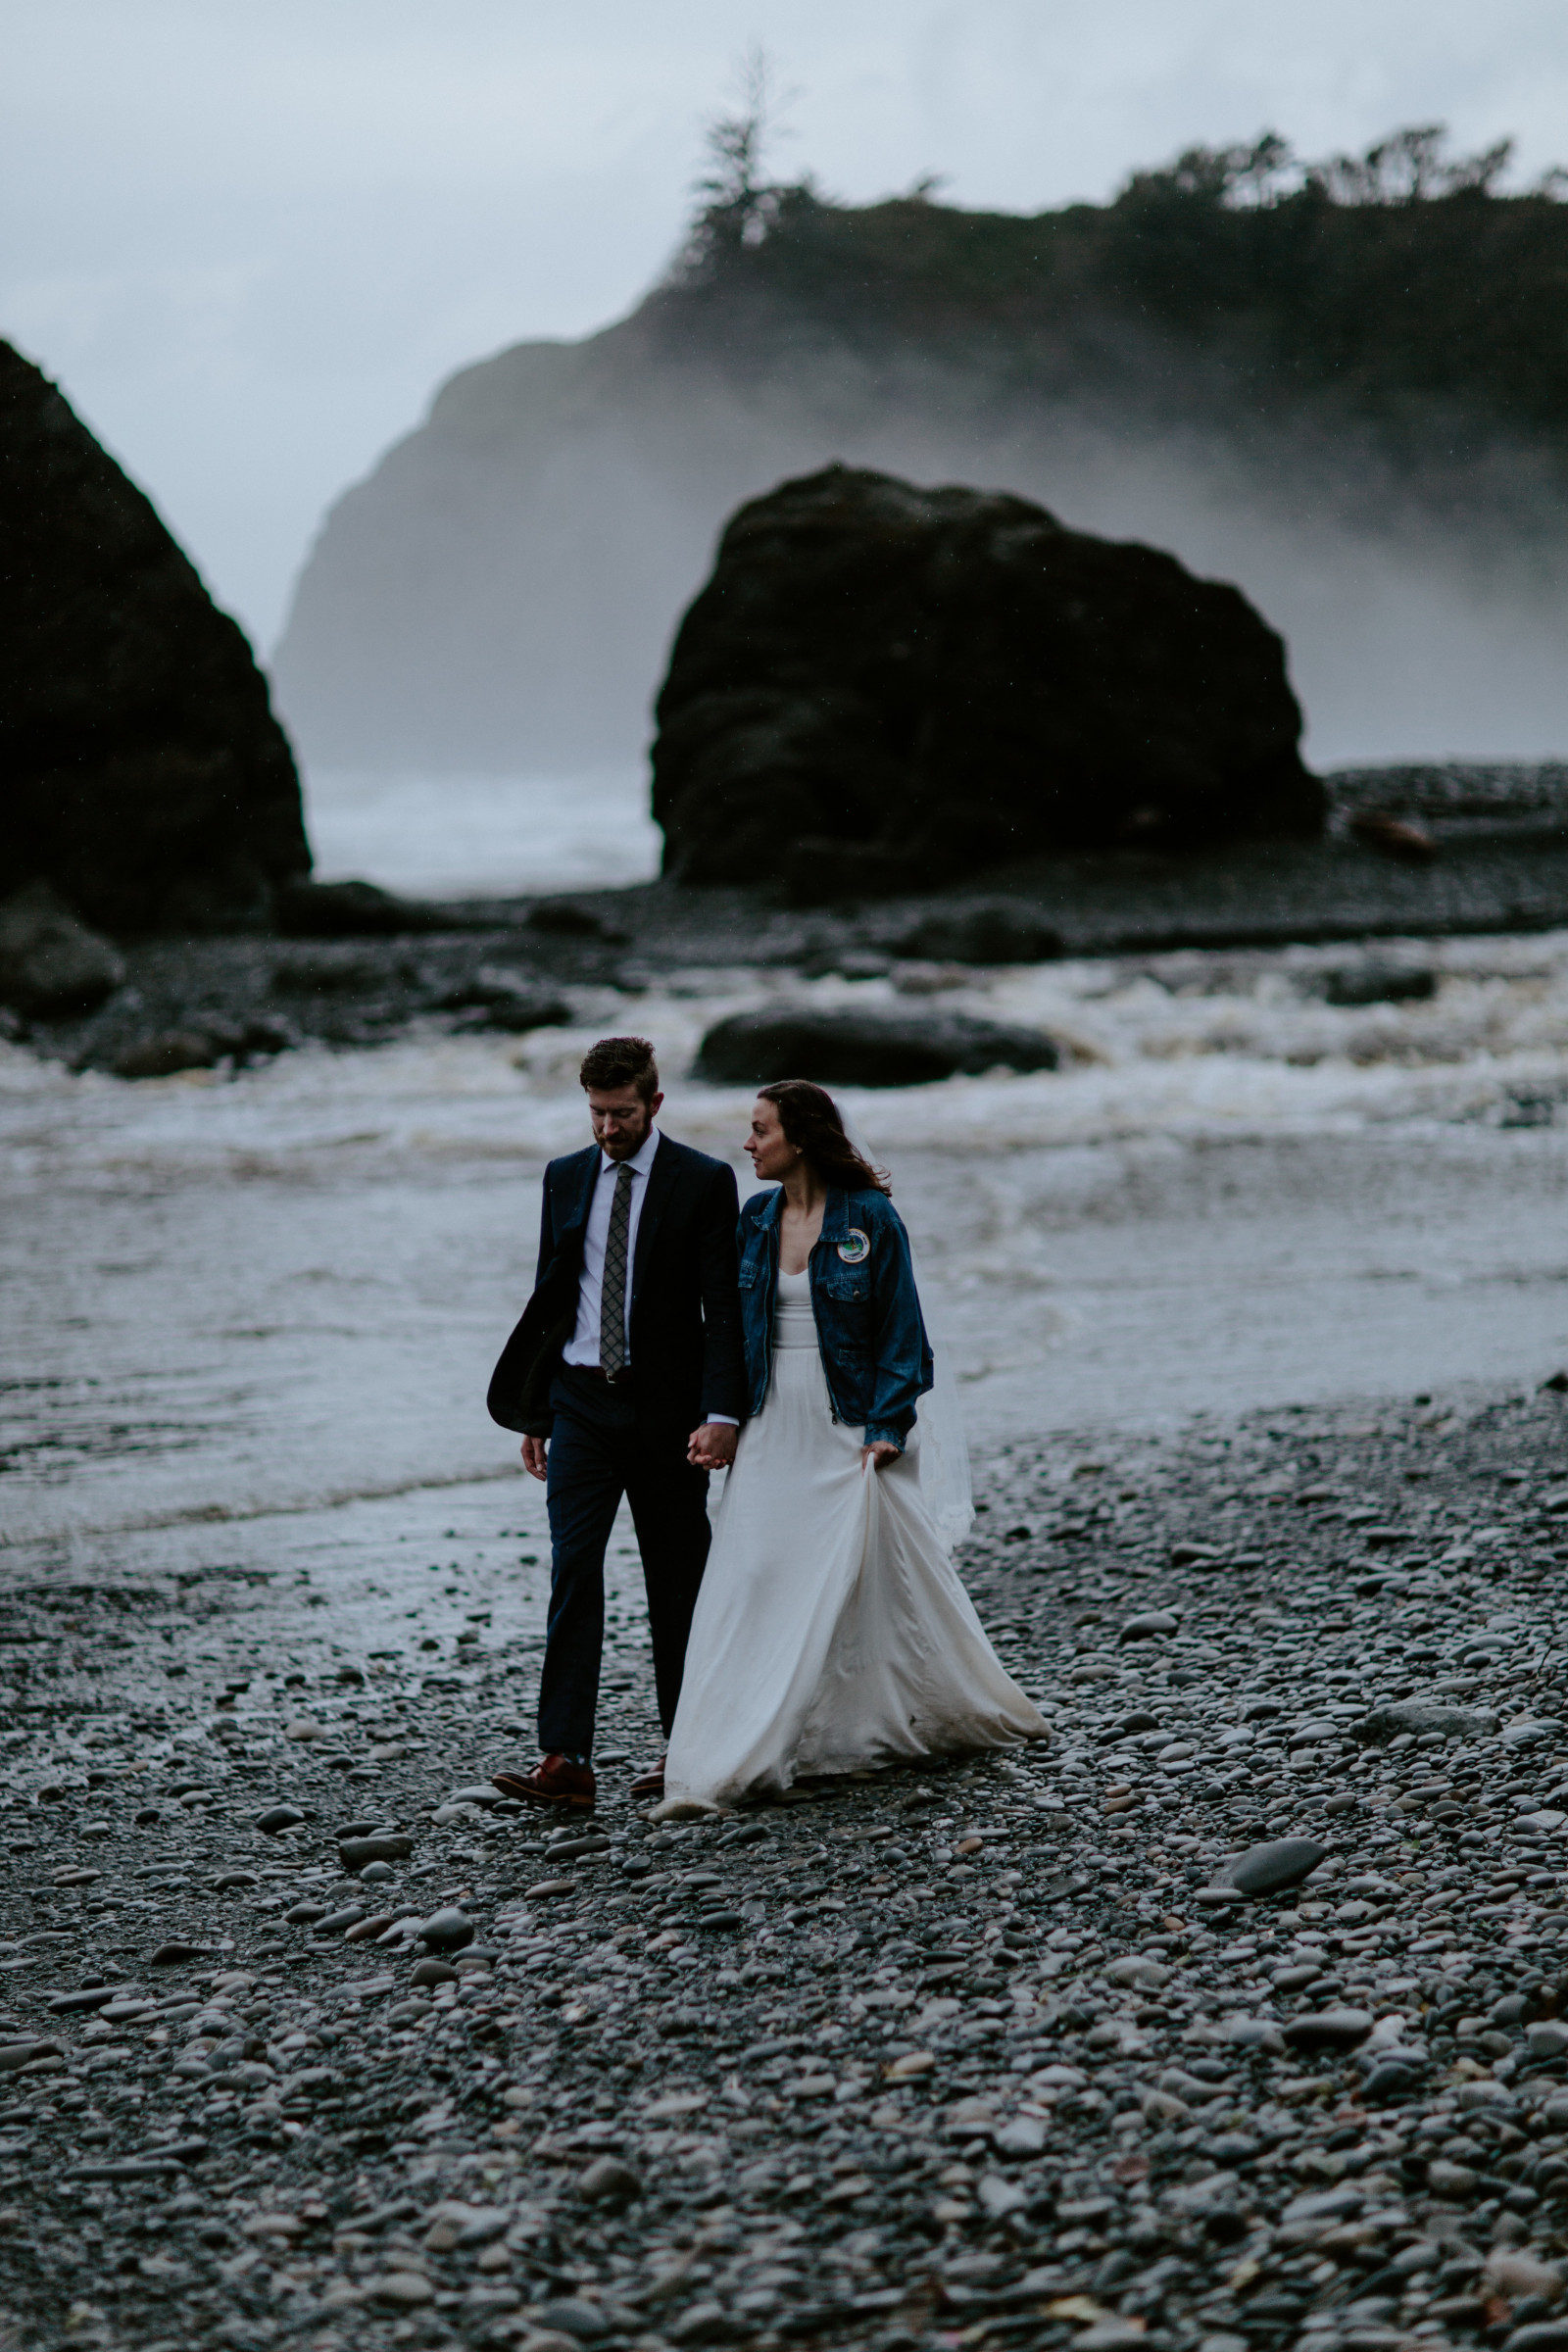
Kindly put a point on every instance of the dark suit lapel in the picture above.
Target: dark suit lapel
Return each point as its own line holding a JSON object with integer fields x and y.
{"x": 663, "y": 1178}
{"x": 579, "y": 1202}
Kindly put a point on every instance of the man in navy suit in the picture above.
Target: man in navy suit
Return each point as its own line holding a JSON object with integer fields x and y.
{"x": 624, "y": 1376}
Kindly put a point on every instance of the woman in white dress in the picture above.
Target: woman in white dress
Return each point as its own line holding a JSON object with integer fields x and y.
{"x": 831, "y": 1631}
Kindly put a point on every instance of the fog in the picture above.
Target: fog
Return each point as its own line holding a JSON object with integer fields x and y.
{"x": 500, "y": 596}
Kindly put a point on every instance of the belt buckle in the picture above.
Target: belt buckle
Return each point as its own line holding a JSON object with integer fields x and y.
{"x": 615, "y": 1379}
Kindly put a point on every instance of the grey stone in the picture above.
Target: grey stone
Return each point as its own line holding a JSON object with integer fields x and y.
{"x": 1328, "y": 2029}
{"x": 280, "y": 1817}
{"x": 447, "y": 1930}
{"x": 608, "y": 2180}
{"x": 866, "y": 1047}
{"x": 1151, "y": 1623}
{"x": 1325, "y": 2204}
{"x": 1265, "y": 1868}
{"x": 1420, "y": 1715}
{"x": 584, "y": 2321}
{"x": 354, "y": 1852}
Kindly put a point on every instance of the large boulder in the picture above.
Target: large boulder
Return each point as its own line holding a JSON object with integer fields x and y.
{"x": 145, "y": 776}
{"x": 866, "y": 1047}
{"x": 51, "y": 965}
{"x": 883, "y": 687}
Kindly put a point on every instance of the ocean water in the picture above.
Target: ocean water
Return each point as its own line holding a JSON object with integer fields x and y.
{"x": 235, "y": 1298}
{"x": 483, "y": 836}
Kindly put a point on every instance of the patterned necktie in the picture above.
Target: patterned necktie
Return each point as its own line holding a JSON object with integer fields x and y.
{"x": 612, "y": 1297}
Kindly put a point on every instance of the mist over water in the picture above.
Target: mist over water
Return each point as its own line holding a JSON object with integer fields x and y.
{"x": 501, "y": 596}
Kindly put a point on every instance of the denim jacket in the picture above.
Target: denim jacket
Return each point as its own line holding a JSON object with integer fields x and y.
{"x": 875, "y": 1353}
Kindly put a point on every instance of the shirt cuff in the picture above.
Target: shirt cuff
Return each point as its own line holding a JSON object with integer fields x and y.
{"x": 728, "y": 1420}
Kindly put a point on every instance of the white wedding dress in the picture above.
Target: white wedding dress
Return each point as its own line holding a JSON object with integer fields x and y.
{"x": 831, "y": 1632}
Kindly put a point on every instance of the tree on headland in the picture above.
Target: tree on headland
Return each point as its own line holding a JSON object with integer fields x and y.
{"x": 1405, "y": 286}
{"x": 738, "y": 201}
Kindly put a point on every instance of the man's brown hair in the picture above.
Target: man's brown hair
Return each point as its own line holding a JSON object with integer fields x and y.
{"x": 621, "y": 1061}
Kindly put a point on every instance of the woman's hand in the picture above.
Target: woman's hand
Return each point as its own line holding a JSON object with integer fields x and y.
{"x": 879, "y": 1454}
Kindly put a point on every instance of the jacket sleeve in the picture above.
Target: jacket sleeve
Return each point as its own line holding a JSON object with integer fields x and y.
{"x": 898, "y": 1337}
{"x": 723, "y": 1374}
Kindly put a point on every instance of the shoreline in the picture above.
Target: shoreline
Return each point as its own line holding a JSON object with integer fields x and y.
{"x": 500, "y": 964}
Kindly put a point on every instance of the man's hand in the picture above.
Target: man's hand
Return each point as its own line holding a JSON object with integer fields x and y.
{"x": 879, "y": 1454}
{"x": 713, "y": 1447}
{"x": 534, "y": 1457}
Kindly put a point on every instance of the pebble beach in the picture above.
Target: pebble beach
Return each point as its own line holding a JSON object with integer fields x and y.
{"x": 309, "y": 2041}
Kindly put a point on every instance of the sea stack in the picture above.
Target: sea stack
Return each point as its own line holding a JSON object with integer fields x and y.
{"x": 883, "y": 687}
{"x": 147, "y": 781}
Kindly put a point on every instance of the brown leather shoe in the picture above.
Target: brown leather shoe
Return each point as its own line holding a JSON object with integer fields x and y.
{"x": 652, "y": 1782}
{"x": 553, "y": 1781}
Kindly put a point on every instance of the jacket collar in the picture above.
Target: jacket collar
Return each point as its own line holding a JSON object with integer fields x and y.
{"x": 834, "y": 1213}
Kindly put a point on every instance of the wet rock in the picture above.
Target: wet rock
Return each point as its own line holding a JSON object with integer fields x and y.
{"x": 306, "y": 909}
{"x": 170, "y": 1954}
{"x": 447, "y": 1930}
{"x": 1280, "y": 1862}
{"x": 280, "y": 1817}
{"x": 400, "y": 2290}
{"x": 1150, "y": 1624}
{"x": 582, "y": 2323}
{"x": 334, "y": 1921}
{"x": 866, "y": 1047}
{"x": 1375, "y": 983}
{"x": 1393, "y": 837}
{"x": 607, "y": 2181}
{"x": 432, "y": 1972}
{"x": 1329, "y": 2030}
{"x": 1418, "y": 1715}
{"x": 51, "y": 963}
{"x": 987, "y": 931}
{"x": 14, "y": 2055}
{"x": 1513, "y": 2273}
{"x": 167, "y": 1051}
{"x": 355, "y": 1853}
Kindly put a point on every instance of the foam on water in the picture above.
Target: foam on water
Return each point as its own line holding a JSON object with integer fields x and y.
{"x": 234, "y": 1295}
{"x": 1186, "y": 1046}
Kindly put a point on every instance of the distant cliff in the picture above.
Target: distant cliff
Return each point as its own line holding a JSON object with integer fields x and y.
{"x": 145, "y": 777}
{"x": 1345, "y": 389}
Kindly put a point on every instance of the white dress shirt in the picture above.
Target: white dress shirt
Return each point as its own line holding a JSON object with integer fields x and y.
{"x": 583, "y": 1346}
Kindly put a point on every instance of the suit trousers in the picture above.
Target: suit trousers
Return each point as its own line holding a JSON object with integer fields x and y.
{"x": 604, "y": 1447}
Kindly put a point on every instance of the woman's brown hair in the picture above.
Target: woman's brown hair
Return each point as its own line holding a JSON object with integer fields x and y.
{"x": 809, "y": 1118}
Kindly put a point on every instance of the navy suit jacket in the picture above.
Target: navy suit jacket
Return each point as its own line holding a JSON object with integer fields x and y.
{"x": 686, "y": 1352}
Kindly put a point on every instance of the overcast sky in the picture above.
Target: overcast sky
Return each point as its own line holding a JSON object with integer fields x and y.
{"x": 250, "y": 236}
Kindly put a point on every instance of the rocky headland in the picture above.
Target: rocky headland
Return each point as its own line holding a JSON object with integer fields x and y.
{"x": 1339, "y": 385}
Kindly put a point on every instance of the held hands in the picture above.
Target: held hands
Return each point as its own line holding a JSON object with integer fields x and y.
{"x": 713, "y": 1447}
{"x": 878, "y": 1454}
